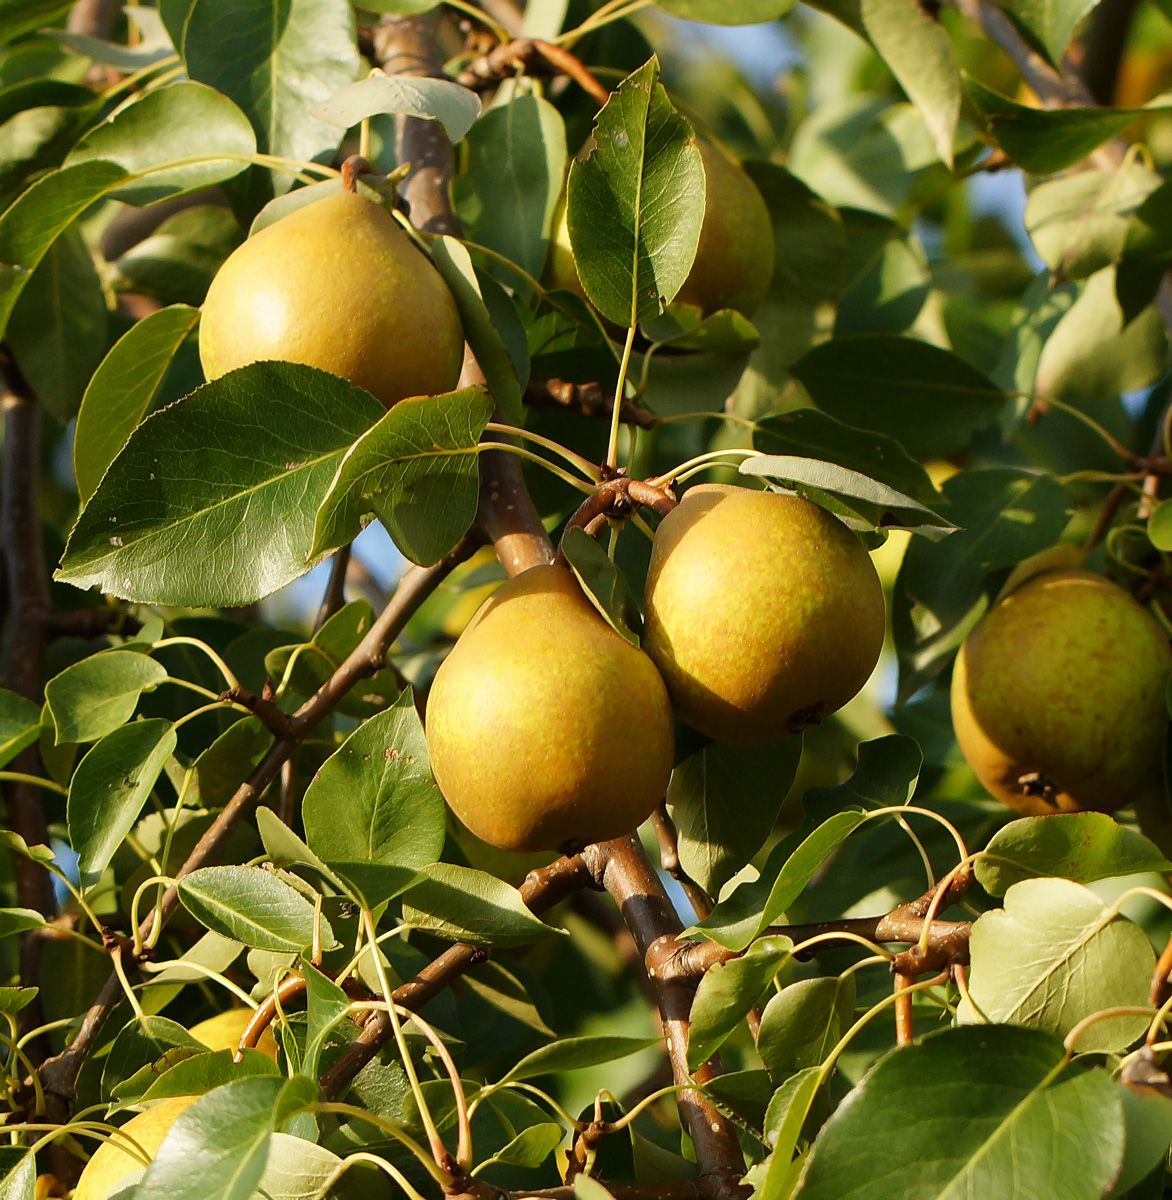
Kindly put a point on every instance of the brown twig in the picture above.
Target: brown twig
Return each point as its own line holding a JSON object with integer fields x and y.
{"x": 59, "y": 1073}
{"x": 541, "y": 890}
{"x": 622, "y": 868}
{"x": 669, "y": 860}
{"x": 265, "y": 1013}
{"x": 334, "y": 597}
{"x": 262, "y": 707}
{"x": 534, "y": 57}
{"x": 589, "y": 399}
{"x": 1160, "y": 976}
{"x": 904, "y": 1031}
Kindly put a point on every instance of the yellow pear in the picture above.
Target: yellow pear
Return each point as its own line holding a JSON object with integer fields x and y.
{"x": 338, "y": 285}
{"x": 734, "y": 259}
{"x": 1058, "y": 696}
{"x": 545, "y": 728}
{"x": 222, "y": 1032}
{"x": 764, "y": 612}
{"x": 114, "y": 1159}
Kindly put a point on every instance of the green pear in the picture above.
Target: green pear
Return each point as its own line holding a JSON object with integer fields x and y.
{"x": 734, "y": 259}
{"x": 1058, "y": 696}
{"x": 764, "y": 613}
{"x": 545, "y": 728}
{"x": 338, "y": 285}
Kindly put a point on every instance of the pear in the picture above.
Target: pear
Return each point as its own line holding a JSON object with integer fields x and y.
{"x": 734, "y": 259}
{"x": 545, "y": 728}
{"x": 222, "y": 1032}
{"x": 1058, "y": 696}
{"x": 338, "y": 285}
{"x": 764, "y": 613}
{"x": 113, "y": 1160}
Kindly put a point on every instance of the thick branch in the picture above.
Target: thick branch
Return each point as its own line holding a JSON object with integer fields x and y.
{"x": 541, "y": 890}
{"x": 623, "y": 870}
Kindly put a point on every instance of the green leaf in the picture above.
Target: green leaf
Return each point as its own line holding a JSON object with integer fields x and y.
{"x": 501, "y": 373}
{"x": 1160, "y": 526}
{"x": 57, "y": 330}
{"x": 177, "y": 121}
{"x": 18, "y": 1173}
{"x": 253, "y": 906}
{"x": 916, "y": 47}
{"x": 753, "y": 907}
{"x": 1148, "y": 1115}
{"x": 635, "y": 204}
{"x": 24, "y": 16}
{"x": 728, "y": 991}
{"x": 788, "y": 1112}
{"x": 374, "y": 799}
{"x": 682, "y": 327}
{"x": 1079, "y": 224}
{"x": 532, "y": 1146}
{"x": 14, "y": 999}
{"x": 110, "y": 788}
{"x": 177, "y": 263}
{"x": 928, "y": 399}
{"x": 286, "y": 849}
{"x": 803, "y": 1023}
{"x": 182, "y": 517}
{"x": 1091, "y": 354}
{"x": 508, "y": 192}
{"x": 606, "y": 587}
{"x": 980, "y": 1114}
{"x": 152, "y": 47}
{"x": 885, "y": 775}
{"x": 574, "y": 1053}
{"x": 144, "y": 1042}
{"x": 122, "y": 388}
{"x": 20, "y": 725}
{"x": 217, "y": 1148}
{"x": 198, "y": 1073}
{"x": 724, "y": 801}
{"x": 888, "y": 277}
{"x": 1004, "y": 515}
{"x": 464, "y": 905}
{"x": 1048, "y": 24}
{"x": 417, "y": 469}
{"x": 1054, "y": 955}
{"x": 811, "y": 478}
{"x": 39, "y": 216}
{"x": 1044, "y": 141}
{"x": 277, "y": 65}
{"x": 812, "y": 434}
{"x": 726, "y": 12}
{"x": 453, "y": 106}
{"x": 97, "y": 695}
{"x": 327, "y": 1006}
{"x": 1079, "y": 846}
{"x": 17, "y": 920}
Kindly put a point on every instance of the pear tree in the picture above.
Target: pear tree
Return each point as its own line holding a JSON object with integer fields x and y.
{"x": 586, "y": 599}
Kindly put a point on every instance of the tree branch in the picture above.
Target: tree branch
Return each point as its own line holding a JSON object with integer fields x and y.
{"x": 622, "y": 868}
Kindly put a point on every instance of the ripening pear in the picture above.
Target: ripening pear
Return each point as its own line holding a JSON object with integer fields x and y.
{"x": 338, "y": 285}
{"x": 114, "y": 1160}
{"x": 1058, "y": 696}
{"x": 545, "y": 728}
{"x": 764, "y": 613}
{"x": 222, "y": 1032}
{"x": 734, "y": 258}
